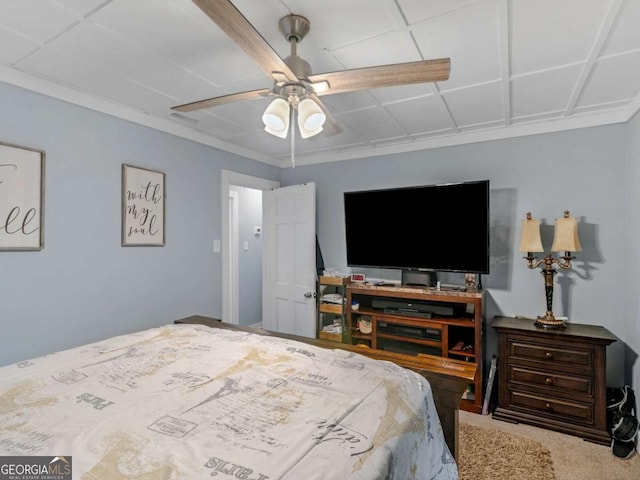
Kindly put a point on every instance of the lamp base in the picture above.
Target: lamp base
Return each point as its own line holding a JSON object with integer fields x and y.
{"x": 549, "y": 321}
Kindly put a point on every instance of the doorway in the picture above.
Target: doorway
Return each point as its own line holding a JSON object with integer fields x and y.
{"x": 231, "y": 219}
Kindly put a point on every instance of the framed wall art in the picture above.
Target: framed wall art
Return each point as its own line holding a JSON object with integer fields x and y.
{"x": 143, "y": 206}
{"x": 21, "y": 198}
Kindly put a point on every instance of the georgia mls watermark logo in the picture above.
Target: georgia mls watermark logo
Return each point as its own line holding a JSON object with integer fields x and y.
{"x": 35, "y": 468}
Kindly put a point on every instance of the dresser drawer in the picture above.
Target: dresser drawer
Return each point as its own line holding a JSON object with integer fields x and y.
{"x": 560, "y": 383}
{"x": 552, "y": 407}
{"x": 551, "y": 354}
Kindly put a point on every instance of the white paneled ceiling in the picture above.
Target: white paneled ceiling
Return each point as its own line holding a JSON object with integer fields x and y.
{"x": 518, "y": 67}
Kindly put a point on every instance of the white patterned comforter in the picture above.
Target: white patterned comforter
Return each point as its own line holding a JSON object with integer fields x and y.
{"x": 193, "y": 402}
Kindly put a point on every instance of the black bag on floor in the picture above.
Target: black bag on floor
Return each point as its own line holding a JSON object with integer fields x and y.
{"x": 622, "y": 421}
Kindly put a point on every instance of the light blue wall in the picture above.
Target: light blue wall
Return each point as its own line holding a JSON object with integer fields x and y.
{"x": 250, "y": 260}
{"x": 583, "y": 171}
{"x": 83, "y": 286}
{"x": 632, "y": 278}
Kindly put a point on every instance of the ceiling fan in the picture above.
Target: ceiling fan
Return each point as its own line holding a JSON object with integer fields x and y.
{"x": 294, "y": 86}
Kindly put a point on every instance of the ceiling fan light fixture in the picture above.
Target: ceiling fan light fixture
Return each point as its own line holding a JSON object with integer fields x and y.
{"x": 311, "y": 118}
{"x": 276, "y": 118}
{"x": 293, "y": 78}
{"x": 304, "y": 133}
{"x": 277, "y": 133}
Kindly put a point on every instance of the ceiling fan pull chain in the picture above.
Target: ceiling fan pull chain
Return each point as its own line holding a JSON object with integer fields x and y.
{"x": 293, "y": 138}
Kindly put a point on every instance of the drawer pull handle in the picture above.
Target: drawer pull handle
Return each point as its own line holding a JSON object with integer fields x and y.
{"x": 548, "y": 406}
{"x": 548, "y": 355}
{"x": 548, "y": 381}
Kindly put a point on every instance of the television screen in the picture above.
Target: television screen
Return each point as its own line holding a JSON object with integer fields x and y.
{"x": 432, "y": 227}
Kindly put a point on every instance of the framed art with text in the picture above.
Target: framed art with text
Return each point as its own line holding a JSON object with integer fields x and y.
{"x": 143, "y": 209}
{"x": 21, "y": 198}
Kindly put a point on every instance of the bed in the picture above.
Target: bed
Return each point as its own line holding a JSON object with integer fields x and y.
{"x": 188, "y": 401}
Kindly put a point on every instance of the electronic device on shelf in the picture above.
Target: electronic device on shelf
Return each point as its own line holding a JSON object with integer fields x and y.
{"x": 455, "y": 217}
{"x": 425, "y": 333}
{"x": 413, "y": 308}
{"x": 419, "y": 278}
{"x": 408, "y": 312}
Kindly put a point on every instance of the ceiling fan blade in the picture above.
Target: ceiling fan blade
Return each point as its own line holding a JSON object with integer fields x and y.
{"x": 238, "y": 28}
{"x": 215, "y": 101}
{"x": 423, "y": 71}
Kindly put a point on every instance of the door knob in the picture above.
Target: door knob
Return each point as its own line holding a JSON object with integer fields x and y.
{"x": 310, "y": 295}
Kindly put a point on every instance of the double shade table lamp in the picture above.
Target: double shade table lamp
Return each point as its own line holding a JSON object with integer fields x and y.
{"x": 565, "y": 239}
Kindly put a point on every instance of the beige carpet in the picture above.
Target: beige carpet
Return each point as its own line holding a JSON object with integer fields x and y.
{"x": 488, "y": 454}
{"x": 571, "y": 457}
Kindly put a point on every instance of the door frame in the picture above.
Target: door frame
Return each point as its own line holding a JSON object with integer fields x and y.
{"x": 229, "y": 178}
{"x": 232, "y": 251}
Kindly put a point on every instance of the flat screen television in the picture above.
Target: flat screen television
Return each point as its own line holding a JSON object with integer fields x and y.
{"x": 441, "y": 227}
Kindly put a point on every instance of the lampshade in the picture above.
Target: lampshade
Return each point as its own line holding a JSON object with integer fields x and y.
{"x": 530, "y": 240}
{"x": 304, "y": 133}
{"x": 311, "y": 118}
{"x": 276, "y": 118}
{"x": 565, "y": 238}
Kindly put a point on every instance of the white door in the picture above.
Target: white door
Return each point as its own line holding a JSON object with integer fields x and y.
{"x": 289, "y": 260}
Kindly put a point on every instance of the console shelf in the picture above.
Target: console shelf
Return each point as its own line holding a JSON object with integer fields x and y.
{"x": 330, "y": 314}
{"x": 459, "y": 335}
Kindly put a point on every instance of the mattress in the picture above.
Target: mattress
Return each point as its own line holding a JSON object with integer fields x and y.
{"x": 192, "y": 402}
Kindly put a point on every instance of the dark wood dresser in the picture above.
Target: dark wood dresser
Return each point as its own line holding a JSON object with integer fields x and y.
{"x": 553, "y": 378}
